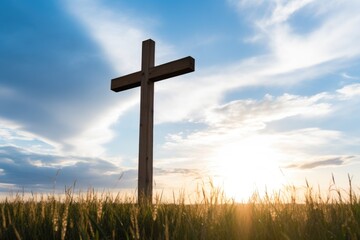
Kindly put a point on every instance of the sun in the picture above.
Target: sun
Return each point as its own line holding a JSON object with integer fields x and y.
{"x": 246, "y": 166}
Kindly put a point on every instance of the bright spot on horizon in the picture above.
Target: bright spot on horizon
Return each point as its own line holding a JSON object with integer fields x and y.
{"x": 241, "y": 169}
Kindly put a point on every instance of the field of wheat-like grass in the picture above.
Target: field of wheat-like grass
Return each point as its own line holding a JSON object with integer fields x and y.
{"x": 105, "y": 216}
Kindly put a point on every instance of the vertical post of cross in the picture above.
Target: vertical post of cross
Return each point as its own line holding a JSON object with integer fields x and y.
{"x": 145, "y": 170}
{"x": 145, "y": 79}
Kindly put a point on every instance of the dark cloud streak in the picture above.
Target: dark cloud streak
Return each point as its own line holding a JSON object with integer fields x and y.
{"x": 19, "y": 168}
{"x": 333, "y": 161}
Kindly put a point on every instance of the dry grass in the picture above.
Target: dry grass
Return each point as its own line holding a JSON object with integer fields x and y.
{"x": 275, "y": 216}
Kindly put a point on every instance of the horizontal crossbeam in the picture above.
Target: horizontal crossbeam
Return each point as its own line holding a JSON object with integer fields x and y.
{"x": 158, "y": 73}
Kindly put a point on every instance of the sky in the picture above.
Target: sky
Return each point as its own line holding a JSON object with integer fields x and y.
{"x": 273, "y": 102}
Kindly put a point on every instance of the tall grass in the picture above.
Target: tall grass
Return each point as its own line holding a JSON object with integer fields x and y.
{"x": 104, "y": 216}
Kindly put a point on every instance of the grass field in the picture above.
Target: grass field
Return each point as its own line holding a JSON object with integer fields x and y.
{"x": 104, "y": 216}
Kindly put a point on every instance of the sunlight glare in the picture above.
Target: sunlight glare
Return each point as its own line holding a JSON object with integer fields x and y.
{"x": 244, "y": 167}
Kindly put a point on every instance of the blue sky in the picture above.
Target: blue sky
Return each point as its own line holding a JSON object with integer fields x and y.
{"x": 274, "y": 99}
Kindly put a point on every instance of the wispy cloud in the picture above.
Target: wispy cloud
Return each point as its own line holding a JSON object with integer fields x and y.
{"x": 348, "y": 76}
{"x": 245, "y": 129}
{"x": 118, "y": 34}
{"x": 98, "y": 131}
{"x": 230, "y": 125}
{"x": 258, "y": 112}
{"x": 283, "y": 10}
{"x": 350, "y": 91}
{"x": 15, "y": 134}
{"x": 291, "y": 57}
{"x": 323, "y": 162}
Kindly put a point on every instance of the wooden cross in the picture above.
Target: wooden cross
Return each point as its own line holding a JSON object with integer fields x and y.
{"x": 145, "y": 79}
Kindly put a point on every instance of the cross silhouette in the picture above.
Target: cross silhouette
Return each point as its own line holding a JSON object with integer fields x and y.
{"x": 145, "y": 79}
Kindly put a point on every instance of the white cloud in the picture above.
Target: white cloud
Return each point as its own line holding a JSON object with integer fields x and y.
{"x": 255, "y": 112}
{"x": 323, "y": 42}
{"x": 13, "y": 133}
{"x": 240, "y": 122}
{"x": 349, "y": 91}
{"x": 115, "y": 33}
{"x": 98, "y": 130}
{"x": 284, "y": 9}
{"x": 240, "y": 130}
{"x": 348, "y": 76}
{"x": 323, "y": 45}
{"x": 292, "y": 57}
{"x": 246, "y": 3}
{"x": 118, "y": 34}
